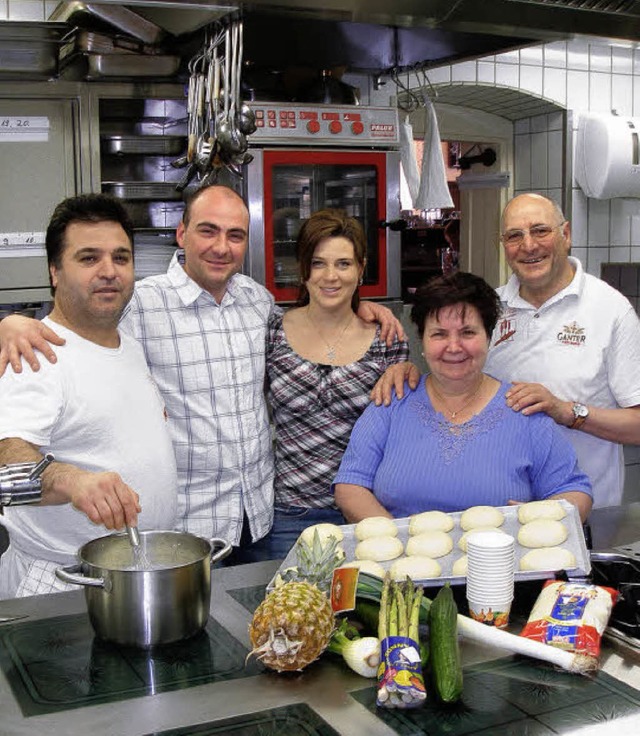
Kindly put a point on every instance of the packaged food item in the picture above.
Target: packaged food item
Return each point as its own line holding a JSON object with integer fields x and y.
{"x": 571, "y": 616}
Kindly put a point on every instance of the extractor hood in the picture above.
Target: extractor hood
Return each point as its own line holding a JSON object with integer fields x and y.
{"x": 375, "y": 36}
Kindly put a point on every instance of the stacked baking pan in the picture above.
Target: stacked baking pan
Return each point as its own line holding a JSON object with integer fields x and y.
{"x": 111, "y": 42}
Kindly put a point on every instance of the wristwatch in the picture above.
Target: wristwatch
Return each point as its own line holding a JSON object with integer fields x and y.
{"x": 580, "y": 414}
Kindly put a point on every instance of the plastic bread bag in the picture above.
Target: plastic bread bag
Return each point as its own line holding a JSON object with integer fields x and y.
{"x": 571, "y": 616}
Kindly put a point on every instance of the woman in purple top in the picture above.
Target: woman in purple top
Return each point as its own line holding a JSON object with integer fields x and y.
{"x": 322, "y": 362}
{"x": 454, "y": 442}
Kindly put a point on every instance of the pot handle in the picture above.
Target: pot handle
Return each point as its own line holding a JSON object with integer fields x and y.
{"x": 221, "y": 554}
{"x": 70, "y": 575}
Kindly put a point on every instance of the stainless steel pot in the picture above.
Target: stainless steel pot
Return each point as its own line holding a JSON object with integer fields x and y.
{"x": 142, "y": 606}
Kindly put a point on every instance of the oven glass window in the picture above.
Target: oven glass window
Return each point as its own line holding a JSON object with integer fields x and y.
{"x": 302, "y": 189}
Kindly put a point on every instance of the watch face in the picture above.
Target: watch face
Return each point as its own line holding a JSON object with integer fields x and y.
{"x": 580, "y": 410}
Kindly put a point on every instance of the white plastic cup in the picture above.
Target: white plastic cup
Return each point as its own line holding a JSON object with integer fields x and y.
{"x": 490, "y": 576}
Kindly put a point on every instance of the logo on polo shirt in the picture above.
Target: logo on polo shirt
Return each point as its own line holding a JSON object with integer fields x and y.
{"x": 506, "y": 328}
{"x": 572, "y": 334}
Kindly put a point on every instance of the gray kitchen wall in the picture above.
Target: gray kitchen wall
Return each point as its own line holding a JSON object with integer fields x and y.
{"x": 26, "y": 9}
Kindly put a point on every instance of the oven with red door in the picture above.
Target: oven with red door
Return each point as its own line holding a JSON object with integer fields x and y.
{"x": 308, "y": 158}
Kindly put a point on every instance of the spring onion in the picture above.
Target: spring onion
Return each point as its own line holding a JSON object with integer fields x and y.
{"x": 362, "y": 654}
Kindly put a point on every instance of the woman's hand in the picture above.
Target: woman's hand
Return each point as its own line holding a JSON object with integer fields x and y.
{"x": 390, "y": 326}
{"x": 21, "y": 336}
{"x": 394, "y": 378}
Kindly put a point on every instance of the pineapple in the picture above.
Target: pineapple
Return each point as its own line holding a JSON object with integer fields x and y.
{"x": 292, "y": 626}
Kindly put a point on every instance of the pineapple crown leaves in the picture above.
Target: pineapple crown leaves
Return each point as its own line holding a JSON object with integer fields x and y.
{"x": 316, "y": 561}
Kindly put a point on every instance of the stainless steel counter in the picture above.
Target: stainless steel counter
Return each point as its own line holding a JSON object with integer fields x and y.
{"x": 325, "y": 687}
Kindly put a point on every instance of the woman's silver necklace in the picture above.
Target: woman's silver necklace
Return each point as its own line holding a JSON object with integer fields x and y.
{"x": 454, "y": 414}
{"x": 331, "y": 349}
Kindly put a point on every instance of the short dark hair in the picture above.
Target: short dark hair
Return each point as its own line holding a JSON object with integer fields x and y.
{"x": 456, "y": 288}
{"x": 83, "y": 208}
{"x": 194, "y": 195}
{"x": 323, "y": 224}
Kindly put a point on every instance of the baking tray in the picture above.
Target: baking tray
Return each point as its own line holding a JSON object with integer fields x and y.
{"x": 29, "y": 50}
{"x": 80, "y": 40}
{"x": 164, "y": 145}
{"x": 164, "y": 191}
{"x": 80, "y": 14}
{"x": 575, "y": 543}
{"x": 124, "y": 66}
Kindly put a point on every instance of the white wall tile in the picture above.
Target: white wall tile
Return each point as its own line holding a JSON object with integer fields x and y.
{"x": 620, "y": 226}
{"x": 598, "y": 222}
{"x": 539, "y": 160}
{"x": 539, "y": 124}
{"x": 636, "y": 61}
{"x": 522, "y": 126}
{"x": 622, "y": 94}
{"x": 581, "y": 254}
{"x": 464, "y": 72}
{"x": 578, "y": 90}
{"x": 440, "y": 75}
{"x": 555, "y": 54}
{"x": 531, "y": 55}
{"x": 26, "y": 10}
{"x": 554, "y": 85}
{"x": 619, "y": 254}
{"x": 555, "y": 121}
{"x": 635, "y": 231}
{"x": 486, "y": 72}
{"x": 635, "y": 254}
{"x": 621, "y": 60}
{"x": 595, "y": 258}
{"x": 579, "y": 217}
{"x": 555, "y": 158}
{"x": 636, "y": 95}
{"x": 531, "y": 79}
{"x": 4, "y": 10}
{"x": 507, "y": 75}
{"x": 599, "y": 92}
{"x": 509, "y": 57}
{"x": 599, "y": 58}
{"x": 578, "y": 55}
{"x": 522, "y": 162}
{"x": 49, "y": 7}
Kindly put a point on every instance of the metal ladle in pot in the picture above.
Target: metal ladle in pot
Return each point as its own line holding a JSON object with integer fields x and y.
{"x": 140, "y": 559}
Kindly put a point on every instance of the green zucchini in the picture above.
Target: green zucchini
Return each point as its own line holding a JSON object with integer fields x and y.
{"x": 446, "y": 666}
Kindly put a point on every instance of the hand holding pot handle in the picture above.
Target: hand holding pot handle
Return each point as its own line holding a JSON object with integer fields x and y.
{"x": 222, "y": 553}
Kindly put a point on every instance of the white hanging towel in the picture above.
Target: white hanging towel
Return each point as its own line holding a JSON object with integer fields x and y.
{"x": 409, "y": 160}
{"x": 433, "y": 192}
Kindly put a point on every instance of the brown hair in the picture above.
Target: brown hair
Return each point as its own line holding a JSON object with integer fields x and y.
{"x": 456, "y": 288}
{"x": 321, "y": 225}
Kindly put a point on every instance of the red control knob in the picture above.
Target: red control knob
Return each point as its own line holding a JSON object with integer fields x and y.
{"x": 335, "y": 126}
{"x": 357, "y": 128}
{"x": 313, "y": 126}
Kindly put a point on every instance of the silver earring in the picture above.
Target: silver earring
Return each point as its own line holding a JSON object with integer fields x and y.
{"x": 360, "y": 282}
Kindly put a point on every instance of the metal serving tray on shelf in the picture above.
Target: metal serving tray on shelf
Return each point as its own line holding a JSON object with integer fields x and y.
{"x": 125, "y": 66}
{"x": 163, "y": 145}
{"x": 575, "y": 542}
{"x": 105, "y": 16}
{"x": 141, "y": 190}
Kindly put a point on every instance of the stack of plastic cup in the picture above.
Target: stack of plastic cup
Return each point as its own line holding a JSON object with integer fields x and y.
{"x": 490, "y": 570}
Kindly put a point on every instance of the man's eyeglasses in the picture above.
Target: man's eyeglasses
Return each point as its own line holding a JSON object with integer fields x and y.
{"x": 539, "y": 233}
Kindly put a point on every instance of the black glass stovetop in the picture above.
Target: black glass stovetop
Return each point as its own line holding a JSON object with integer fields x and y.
{"x": 57, "y": 664}
{"x": 516, "y": 697}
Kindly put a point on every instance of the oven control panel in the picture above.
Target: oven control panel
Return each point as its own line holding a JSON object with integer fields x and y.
{"x": 325, "y": 125}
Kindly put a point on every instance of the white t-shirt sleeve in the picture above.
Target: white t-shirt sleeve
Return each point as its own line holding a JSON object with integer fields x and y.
{"x": 32, "y": 404}
{"x": 623, "y": 358}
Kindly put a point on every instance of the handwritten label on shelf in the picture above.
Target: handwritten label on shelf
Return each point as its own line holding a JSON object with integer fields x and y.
{"x": 21, "y": 244}
{"x": 25, "y": 128}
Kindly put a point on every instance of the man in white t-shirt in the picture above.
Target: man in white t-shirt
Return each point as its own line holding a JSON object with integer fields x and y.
{"x": 569, "y": 343}
{"x": 96, "y": 408}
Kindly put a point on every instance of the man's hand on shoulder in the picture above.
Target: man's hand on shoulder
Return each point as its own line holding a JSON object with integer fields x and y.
{"x": 390, "y": 327}
{"x": 21, "y": 336}
{"x": 394, "y": 378}
{"x": 531, "y": 398}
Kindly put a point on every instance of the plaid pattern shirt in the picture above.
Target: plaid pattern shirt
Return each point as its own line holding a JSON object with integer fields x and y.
{"x": 208, "y": 360}
{"x": 314, "y": 409}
